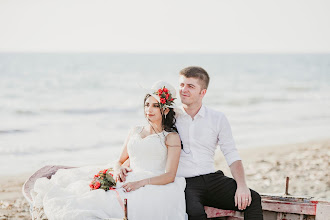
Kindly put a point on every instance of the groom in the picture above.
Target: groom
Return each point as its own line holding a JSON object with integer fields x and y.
{"x": 201, "y": 130}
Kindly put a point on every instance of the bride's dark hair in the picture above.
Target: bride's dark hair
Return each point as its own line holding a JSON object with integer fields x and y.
{"x": 168, "y": 121}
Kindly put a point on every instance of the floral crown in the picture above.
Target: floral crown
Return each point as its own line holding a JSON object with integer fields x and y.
{"x": 165, "y": 97}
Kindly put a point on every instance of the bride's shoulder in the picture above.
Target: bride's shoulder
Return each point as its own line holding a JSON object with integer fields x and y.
{"x": 172, "y": 139}
{"x": 136, "y": 129}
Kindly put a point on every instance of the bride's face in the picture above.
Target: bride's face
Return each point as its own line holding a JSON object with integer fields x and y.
{"x": 152, "y": 110}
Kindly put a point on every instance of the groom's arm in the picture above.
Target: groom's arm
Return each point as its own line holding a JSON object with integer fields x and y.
{"x": 228, "y": 148}
{"x": 243, "y": 194}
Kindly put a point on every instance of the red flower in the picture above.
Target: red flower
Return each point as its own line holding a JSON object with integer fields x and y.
{"x": 105, "y": 171}
{"x": 167, "y": 95}
{"x": 165, "y": 90}
{"x": 171, "y": 100}
{"x": 111, "y": 174}
{"x": 160, "y": 91}
{"x": 97, "y": 175}
{"x": 163, "y": 101}
{"x": 91, "y": 186}
{"x": 97, "y": 185}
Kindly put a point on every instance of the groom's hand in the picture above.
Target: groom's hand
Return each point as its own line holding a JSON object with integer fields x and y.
{"x": 243, "y": 193}
{"x": 123, "y": 171}
{"x": 242, "y": 197}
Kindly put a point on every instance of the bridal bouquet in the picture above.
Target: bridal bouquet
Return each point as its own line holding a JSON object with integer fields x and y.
{"x": 103, "y": 180}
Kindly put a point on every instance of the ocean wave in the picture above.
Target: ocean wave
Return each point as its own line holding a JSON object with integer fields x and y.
{"x": 97, "y": 110}
{"x": 74, "y": 111}
{"x": 298, "y": 89}
{"x": 30, "y": 150}
{"x": 26, "y": 112}
{"x": 248, "y": 101}
{"x": 12, "y": 131}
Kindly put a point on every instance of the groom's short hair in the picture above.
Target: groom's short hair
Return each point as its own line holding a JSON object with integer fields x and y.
{"x": 196, "y": 72}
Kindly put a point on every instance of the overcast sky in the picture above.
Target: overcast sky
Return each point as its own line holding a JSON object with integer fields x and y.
{"x": 180, "y": 26}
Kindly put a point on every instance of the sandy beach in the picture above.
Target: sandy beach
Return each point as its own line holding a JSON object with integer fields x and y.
{"x": 307, "y": 165}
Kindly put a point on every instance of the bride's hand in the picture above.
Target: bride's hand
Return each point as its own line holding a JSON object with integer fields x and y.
{"x": 131, "y": 186}
{"x": 122, "y": 173}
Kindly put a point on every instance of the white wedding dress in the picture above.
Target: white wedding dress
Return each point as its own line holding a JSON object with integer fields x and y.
{"x": 67, "y": 194}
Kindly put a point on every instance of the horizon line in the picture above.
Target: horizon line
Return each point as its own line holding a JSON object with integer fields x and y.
{"x": 161, "y": 52}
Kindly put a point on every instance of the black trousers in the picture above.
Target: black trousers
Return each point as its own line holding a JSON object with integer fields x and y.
{"x": 218, "y": 191}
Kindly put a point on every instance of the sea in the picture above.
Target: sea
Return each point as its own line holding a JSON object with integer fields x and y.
{"x": 76, "y": 109}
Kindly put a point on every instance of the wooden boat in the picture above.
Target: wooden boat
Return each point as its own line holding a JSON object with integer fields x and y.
{"x": 281, "y": 207}
{"x": 275, "y": 207}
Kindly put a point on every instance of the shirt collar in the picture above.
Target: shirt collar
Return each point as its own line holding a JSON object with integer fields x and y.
{"x": 200, "y": 113}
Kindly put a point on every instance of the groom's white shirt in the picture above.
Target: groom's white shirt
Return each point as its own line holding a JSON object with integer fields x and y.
{"x": 200, "y": 137}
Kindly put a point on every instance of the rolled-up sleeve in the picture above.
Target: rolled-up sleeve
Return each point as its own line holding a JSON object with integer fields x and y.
{"x": 226, "y": 141}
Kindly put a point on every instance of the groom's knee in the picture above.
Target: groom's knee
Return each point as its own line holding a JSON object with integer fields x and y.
{"x": 254, "y": 211}
{"x": 201, "y": 217}
{"x": 195, "y": 211}
{"x": 256, "y": 200}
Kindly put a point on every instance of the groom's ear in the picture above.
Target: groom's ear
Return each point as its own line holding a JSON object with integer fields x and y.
{"x": 203, "y": 92}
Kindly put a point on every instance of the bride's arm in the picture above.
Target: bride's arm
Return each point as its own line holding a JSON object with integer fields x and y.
{"x": 121, "y": 167}
{"x": 173, "y": 144}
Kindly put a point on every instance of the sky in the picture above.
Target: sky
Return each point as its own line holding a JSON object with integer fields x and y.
{"x": 154, "y": 26}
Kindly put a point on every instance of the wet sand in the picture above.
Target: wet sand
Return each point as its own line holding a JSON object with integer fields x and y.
{"x": 12, "y": 203}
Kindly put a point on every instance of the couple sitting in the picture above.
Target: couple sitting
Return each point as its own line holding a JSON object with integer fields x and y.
{"x": 166, "y": 168}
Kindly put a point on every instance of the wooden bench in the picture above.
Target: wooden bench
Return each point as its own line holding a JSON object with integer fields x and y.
{"x": 226, "y": 214}
{"x": 278, "y": 207}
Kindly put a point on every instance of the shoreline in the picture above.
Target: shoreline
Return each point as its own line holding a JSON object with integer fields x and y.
{"x": 266, "y": 168}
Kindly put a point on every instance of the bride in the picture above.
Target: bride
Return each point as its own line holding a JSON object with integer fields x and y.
{"x": 151, "y": 187}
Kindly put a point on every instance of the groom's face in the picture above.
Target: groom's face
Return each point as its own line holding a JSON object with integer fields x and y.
{"x": 190, "y": 90}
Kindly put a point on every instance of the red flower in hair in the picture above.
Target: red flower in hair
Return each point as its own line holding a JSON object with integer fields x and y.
{"x": 165, "y": 97}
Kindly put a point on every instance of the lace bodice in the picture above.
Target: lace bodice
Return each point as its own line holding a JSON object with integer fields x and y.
{"x": 149, "y": 153}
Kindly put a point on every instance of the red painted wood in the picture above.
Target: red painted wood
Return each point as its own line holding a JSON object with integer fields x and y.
{"x": 272, "y": 203}
{"x": 289, "y": 207}
{"x": 214, "y": 212}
